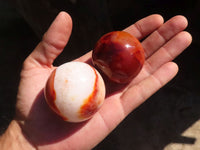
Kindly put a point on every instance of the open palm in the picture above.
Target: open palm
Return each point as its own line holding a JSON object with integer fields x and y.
{"x": 162, "y": 42}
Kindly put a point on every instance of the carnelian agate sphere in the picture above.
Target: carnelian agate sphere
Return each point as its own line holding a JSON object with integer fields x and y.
{"x": 119, "y": 55}
{"x": 75, "y": 91}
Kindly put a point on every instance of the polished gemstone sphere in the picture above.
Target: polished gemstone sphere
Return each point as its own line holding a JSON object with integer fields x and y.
{"x": 119, "y": 55}
{"x": 75, "y": 91}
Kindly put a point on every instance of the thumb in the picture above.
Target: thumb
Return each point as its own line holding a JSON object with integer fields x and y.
{"x": 53, "y": 42}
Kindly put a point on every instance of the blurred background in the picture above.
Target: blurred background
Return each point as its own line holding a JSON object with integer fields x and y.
{"x": 169, "y": 120}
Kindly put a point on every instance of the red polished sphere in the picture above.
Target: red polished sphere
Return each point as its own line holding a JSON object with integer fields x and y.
{"x": 119, "y": 55}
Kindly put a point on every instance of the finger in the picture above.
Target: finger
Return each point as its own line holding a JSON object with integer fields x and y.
{"x": 140, "y": 29}
{"x": 165, "y": 54}
{"x": 114, "y": 110}
{"x": 168, "y": 52}
{"x": 54, "y": 41}
{"x": 145, "y": 26}
{"x": 163, "y": 34}
{"x": 137, "y": 94}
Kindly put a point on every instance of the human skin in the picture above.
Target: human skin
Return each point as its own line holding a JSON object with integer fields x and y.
{"x": 37, "y": 127}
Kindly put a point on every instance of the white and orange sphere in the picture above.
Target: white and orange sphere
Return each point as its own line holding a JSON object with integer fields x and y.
{"x": 75, "y": 91}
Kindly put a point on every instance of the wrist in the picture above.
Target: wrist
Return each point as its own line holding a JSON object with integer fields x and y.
{"x": 14, "y": 139}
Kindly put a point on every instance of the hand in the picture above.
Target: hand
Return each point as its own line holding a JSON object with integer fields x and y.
{"x": 45, "y": 130}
